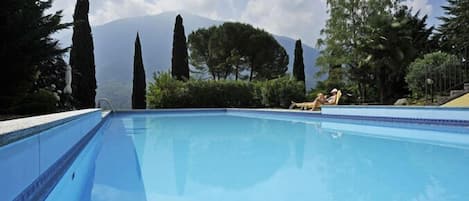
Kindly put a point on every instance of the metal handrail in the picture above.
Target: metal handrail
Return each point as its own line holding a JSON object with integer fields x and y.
{"x": 107, "y": 101}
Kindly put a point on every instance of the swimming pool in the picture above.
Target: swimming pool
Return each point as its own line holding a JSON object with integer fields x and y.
{"x": 235, "y": 155}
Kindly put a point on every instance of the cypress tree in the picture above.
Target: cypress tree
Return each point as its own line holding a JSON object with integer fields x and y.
{"x": 179, "y": 61}
{"x": 82, "y": 58}
{"x": 298, "y": 63}
{"x": 139, "y": 86}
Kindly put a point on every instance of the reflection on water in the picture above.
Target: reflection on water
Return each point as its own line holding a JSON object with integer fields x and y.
{"x": 144, "y": 157}
{"x": 117, "y": 175}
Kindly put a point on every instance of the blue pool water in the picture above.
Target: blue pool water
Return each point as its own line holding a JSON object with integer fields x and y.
{"x": 233, "y": 156}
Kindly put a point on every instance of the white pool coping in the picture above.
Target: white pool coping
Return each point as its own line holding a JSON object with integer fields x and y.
{"x": 13, "y": 130}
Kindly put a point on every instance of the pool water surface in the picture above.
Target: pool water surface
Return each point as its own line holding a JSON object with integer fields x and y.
{"x": 220, "y": 156}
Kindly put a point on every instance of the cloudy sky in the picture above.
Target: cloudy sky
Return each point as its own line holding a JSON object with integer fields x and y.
{"x": 293, "y": 18}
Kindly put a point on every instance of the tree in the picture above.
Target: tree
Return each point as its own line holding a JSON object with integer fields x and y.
{"x": 453, "y": 31}
{"x": 226, "y": 51}
{"x": 392, "y": 43}
{"x": 298, "y": 63}
{"x": 179, "y": 61}
{"x": 28, "y": 52}
{"x": 372, "y": 42}
{"x": 139, "y": 83}
{"x": 82, "y": 58}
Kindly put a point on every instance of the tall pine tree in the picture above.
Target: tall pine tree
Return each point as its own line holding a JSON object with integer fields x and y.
{"x": 298, "y": 63}
{"x": 27, "y": 51}
{"x": 454, "y": 30}
{"x": 179, "y": 61}
{"x": 82, "y": 58}
{"x": 139, "y": 86}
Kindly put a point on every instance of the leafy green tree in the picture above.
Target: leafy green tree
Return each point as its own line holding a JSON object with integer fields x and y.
{"x": 28, "y": 52}
{"x": 179, "y": 61}
{"x": 339, "y": 53}
{"x": 228, "y": 50}
{"x": 453, "y": 32}
{"x": 373, "y": 42}
{"x": 298, "y": 63}
{"x": 199, "y": 54}
{"x": 139, "y": 83}
{"x": 437, "y": 66}
{"x": 393, "y": 41}
{"x": 82, "y": 58}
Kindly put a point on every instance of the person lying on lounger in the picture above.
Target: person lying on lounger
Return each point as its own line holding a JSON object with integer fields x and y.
{"x": 321, "y": 99}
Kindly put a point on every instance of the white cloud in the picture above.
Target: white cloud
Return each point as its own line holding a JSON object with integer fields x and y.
{"x": 293, "y": 18}
{"x": 423, "y": 6}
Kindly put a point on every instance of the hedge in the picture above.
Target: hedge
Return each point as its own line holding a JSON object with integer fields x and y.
{"x": 166, "y": 92}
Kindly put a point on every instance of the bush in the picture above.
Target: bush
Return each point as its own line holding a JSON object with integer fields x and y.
{"x": 166, "y": 92}
{"x": 280, "y": 92}
{"x": 435, "y": 66}
{"x": 40, "y": 102}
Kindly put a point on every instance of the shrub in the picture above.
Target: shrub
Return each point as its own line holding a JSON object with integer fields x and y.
{"x": 280, "y": 92}
{"x": 166, "y": 92}
{"x": 439, "y": 66}
{"x": 39, "y": 102}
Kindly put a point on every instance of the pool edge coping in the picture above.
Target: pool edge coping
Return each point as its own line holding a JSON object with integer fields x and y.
{"x": 19, "y": 131}
{"x": 438, "y": 122}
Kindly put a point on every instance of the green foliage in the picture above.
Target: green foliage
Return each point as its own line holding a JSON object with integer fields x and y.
{"x": 139, "y": 83}
{"x": 453, "y": 32}
{"x": 179, "y": 61}
{"x": 82, "y": 58}
{"x": 28, "y": 51}
{"x": 373, "y": 42}
{"x": 167, "y": 92}
{"x": 298, "y": 63}
{"x": 235, "y": 49}
{"x": 39, "y": 102}
{"x": 280, "y": 92}
{"x": 435, "y": 66}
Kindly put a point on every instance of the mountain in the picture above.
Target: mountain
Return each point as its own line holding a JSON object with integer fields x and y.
{"x": 114, "y": 43}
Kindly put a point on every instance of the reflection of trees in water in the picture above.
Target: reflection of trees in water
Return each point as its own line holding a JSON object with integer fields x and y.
{"x": 117, "y": 166}
{"x": 214, "y": 151}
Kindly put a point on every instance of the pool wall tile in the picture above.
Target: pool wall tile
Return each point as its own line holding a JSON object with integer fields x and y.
{"x": 424, "y": 112}
{"x": 19, "y": 166}
{"x": 57, "y": 141}
{"x": 28, "y": 165}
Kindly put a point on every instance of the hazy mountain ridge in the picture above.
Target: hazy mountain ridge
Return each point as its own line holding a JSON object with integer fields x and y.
{"x": 114, "y": 50}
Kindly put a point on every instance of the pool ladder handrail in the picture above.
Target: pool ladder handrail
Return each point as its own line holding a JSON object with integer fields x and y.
{"x": 107, "y": 101}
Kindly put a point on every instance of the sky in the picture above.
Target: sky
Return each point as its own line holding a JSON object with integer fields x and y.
{"x": 297, "y": 19}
